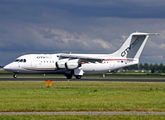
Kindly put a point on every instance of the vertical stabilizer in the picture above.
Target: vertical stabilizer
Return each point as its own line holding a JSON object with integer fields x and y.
{"x": 133, "y": 46}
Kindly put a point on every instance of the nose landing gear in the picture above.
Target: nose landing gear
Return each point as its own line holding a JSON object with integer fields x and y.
{"x": 15, "y": 75}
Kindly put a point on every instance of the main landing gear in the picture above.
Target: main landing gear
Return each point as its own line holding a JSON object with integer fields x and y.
{"x": 69, "y": 76}
{"x": 78, "y": 76}
{"x": 15, "y": 75}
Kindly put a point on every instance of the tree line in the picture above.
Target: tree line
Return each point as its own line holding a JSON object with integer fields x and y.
{"x": 146, "y": 67}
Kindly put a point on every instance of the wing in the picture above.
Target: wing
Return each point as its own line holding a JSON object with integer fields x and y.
{"x": 74, "y": 61}
{"x": 82, "y": 56}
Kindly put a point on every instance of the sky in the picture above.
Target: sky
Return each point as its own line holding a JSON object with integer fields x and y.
{"x": 79, "y": 26}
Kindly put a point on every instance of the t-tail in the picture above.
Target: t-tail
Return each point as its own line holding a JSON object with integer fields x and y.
{"x": 133, "y": 46}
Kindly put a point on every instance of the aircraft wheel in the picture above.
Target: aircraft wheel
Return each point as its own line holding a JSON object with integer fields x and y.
{"x": 15, "y": 76}
{"x": 78, "y": 76}
{"x": 69, "y": 76}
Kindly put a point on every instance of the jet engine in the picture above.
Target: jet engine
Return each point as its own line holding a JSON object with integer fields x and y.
{"x": 61, "y": 63}
{"x": 72, "y": 64}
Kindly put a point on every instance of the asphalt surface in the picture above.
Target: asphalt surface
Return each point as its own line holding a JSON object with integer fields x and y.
{"x": 64, "y": 79}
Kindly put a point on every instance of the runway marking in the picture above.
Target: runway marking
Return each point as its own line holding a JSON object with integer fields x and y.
{"x": 83, "y": 113}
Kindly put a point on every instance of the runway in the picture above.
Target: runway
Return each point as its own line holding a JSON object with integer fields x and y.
{"x": 64, "y": 79}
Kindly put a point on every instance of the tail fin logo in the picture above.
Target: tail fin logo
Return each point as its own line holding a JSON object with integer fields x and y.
{"x": 125, "y": 52}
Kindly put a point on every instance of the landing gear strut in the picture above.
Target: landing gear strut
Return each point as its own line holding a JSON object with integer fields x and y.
{"x": 15, "y": 75}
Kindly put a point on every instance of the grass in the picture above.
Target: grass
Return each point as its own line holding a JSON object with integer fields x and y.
{"x": 19, "y": 96}
{"x": 82, "y": 117}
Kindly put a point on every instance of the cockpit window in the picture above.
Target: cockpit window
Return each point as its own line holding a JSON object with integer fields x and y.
{"x": 17, "y": 60}
{"x": 20, "y": 60}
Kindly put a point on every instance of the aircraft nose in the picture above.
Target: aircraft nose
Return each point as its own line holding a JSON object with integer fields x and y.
{"x": 12, "y": 67}
{"x": 7, "y": 67}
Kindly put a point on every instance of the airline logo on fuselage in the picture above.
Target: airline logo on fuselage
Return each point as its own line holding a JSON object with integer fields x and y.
{"x": 124, "y": 53}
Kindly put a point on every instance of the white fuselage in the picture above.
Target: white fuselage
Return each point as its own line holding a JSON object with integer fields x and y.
{"x": 46, "y": 64}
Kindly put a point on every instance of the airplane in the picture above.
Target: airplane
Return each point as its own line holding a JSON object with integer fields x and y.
{"x": 80, "y": 64}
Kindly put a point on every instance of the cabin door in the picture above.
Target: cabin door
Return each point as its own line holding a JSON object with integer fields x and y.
{"x": 33, "y": 62}
{"x": 111, "y": 64}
